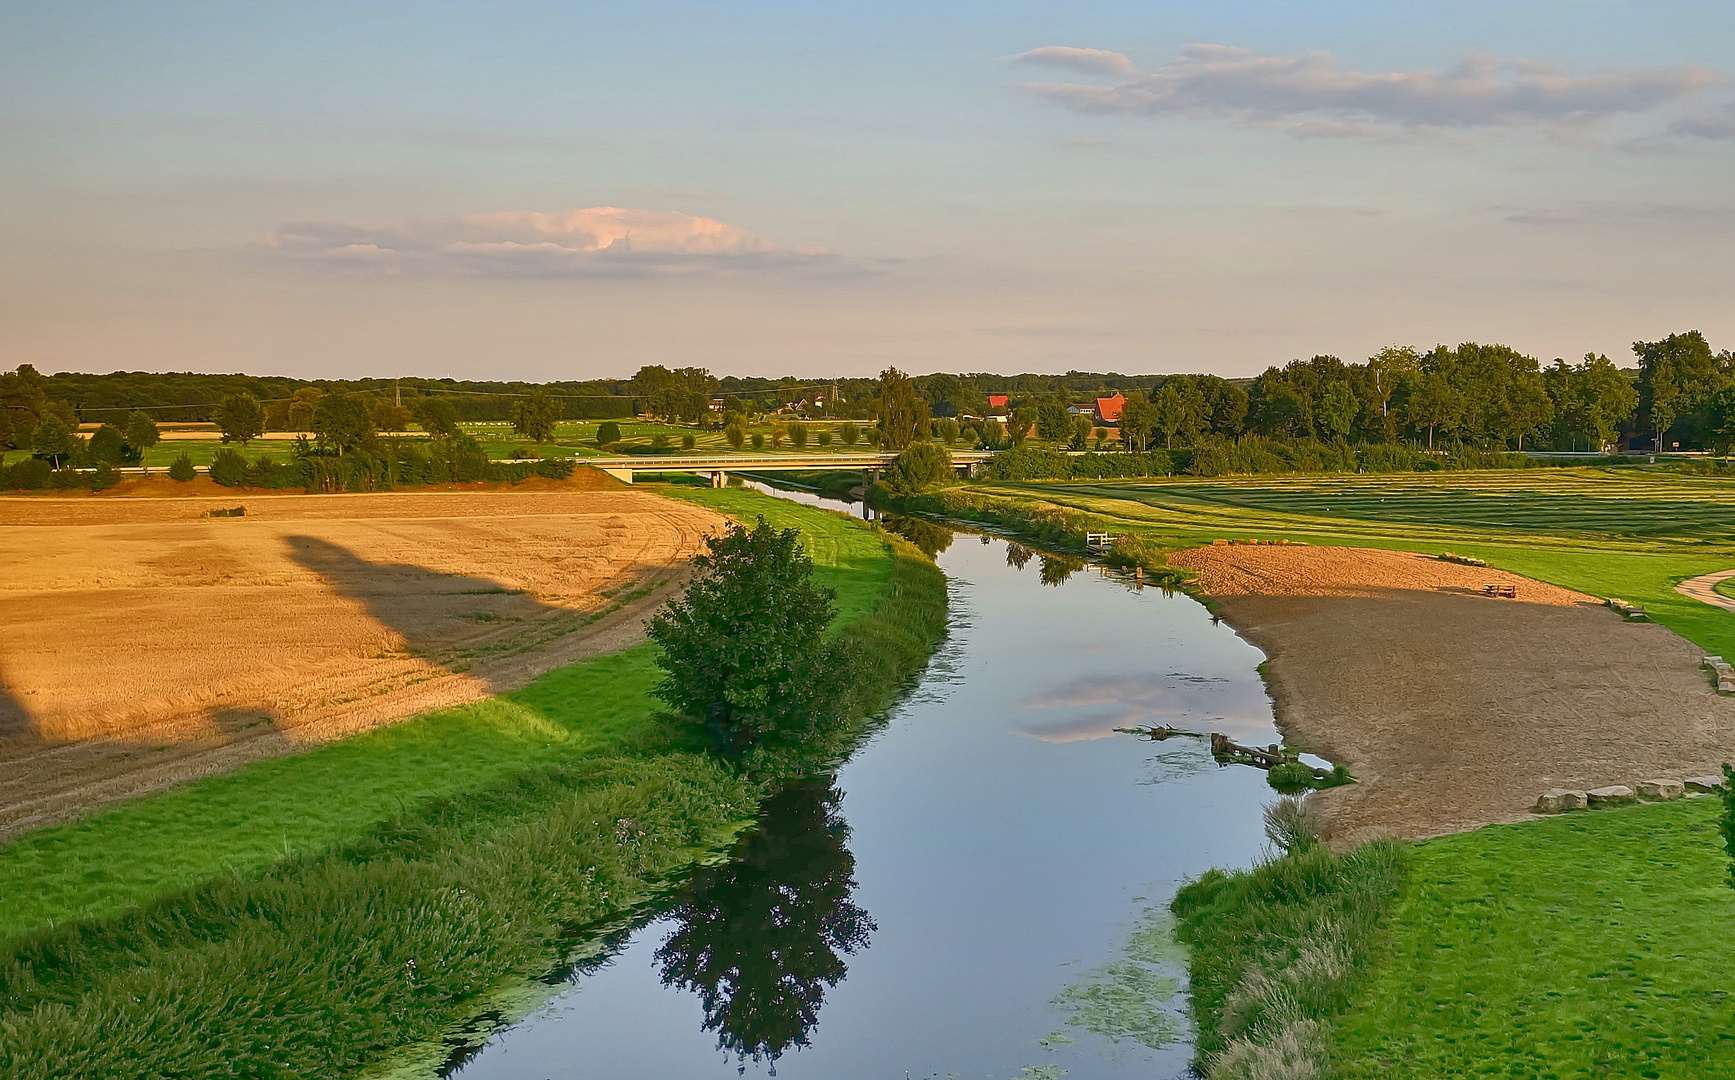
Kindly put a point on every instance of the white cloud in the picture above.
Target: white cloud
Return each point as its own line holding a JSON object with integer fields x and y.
{"x": 1717, "y": 125}
{"x": 1100, "y": 61}
{"x": 598, "y": 241}
{"x": 1313, "y": 96}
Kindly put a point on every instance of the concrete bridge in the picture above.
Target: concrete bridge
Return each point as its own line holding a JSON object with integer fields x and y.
{"x": 719, "y": 466}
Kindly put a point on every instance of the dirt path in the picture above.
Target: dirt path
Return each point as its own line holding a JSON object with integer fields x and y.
{"x": 143, "y": 642}
{"x": 1704, "y": 588}
{"x": 1455, "y": 709}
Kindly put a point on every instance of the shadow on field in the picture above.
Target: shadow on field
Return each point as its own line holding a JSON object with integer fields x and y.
{"x": 15, "y": 722}
{"x": 418, "y": 603}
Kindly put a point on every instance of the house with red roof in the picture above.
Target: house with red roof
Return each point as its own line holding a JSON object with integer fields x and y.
{"x": 1108, "y": 409}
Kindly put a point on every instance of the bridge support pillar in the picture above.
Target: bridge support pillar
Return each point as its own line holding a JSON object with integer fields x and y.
{"x": 719, "y": 479}
{"x": 625, "y": 476}
{"x": 869, "y": 477}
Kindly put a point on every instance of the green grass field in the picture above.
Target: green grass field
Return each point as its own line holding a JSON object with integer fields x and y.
{"x": 1593, "y": 944}
{"x": 1626, "y": 532}
{"x": 245, "y": 820}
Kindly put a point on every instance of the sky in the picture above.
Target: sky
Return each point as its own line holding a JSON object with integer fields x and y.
{"x": 541, "y": 191}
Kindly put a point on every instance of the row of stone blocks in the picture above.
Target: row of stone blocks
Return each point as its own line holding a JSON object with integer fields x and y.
{"x": 1558, "y": 800}
{"x": 1725, "y": 674}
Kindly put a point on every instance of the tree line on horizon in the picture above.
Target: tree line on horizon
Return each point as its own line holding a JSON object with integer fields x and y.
{"x": 1680, "y": 394}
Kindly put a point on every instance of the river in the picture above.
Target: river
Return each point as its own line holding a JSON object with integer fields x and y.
{"x": 981, "y": 892}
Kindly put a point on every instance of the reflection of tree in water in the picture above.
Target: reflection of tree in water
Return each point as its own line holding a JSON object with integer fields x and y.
{"x": 1057, "y": 568}
{"x": 931, "y": 538}
{"x": 762, "y": 938}
{"x": 1017, "y": 555}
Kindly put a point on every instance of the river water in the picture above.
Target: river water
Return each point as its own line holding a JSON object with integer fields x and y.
{"x": 981, "y": 892}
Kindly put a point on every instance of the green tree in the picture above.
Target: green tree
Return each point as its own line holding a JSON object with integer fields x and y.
{"x": 735, "y": 432}
{"x": 850, "y": 434}
{"x": 390, "y": 416}
{"x": 1389, "y": 370}
{"x": 1675, "y": 374}
{"x": 52, "y": 439}
{"x": 437, "y": 416}
{"x": 1052, "y": 420}
{"x": 305, "y": 402}
{"x": 1337, "y": 410}
{"x": 744, "y": 651}
{"x": 918, "y": 468}
{"x": 342, "y": 422}
{"x": 1432, "y": 404}
{"x": 107, "y": 446}
{"x": 1080, "y": 432}
{"x": 1019, "y": 424}
{"x": 141, "y": 435}
{"x": 535, "y": 414}
{"x": 1178, "y": 409}
{"x": 181, "y": 468}
{"x": 798, "y": 435}
{"x": 949, "y": 430}
{"x": 240, "y": 418}
{"x": 608, "y": 433}
{"x": 758, "y": 440}
{"x": 22, "y": 399}
{"x": 903, "y": 415}
{"x": 1138, "y": 421}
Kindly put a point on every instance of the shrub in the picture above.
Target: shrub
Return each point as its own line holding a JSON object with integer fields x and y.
{"x": 103, "y": 477}
{"x": 689, "y": 441}
{"x": 758, "y": 440}
{"x": 229, "y": 468}
{"x": 798, "y": 435}
{"x": 1290, "y": 776}
{"x": 29, "y": 475}
{"x": 659, "y": 441}
{"x": 607, "y": 433}
{"x": 823, "y": 438}
{"x": 182, "y": 468}
{"x": 850, "y": 434}
{"x": 1292, "y": 823}
{"x": 923, "y": 465}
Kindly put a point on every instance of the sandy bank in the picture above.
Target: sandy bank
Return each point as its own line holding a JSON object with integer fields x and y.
{"x": 1453, "y": 708}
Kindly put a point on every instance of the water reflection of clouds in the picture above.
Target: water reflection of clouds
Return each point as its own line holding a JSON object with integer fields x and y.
{"x": 1091, "y": 707}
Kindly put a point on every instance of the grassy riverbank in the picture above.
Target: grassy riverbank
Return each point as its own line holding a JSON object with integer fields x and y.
{"x": 305, "y": 916}
{"x": 1593, "y": 944}
{"x": 1275, "y": 952}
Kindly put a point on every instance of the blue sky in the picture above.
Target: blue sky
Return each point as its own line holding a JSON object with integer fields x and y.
{"x": 328, "y": 189}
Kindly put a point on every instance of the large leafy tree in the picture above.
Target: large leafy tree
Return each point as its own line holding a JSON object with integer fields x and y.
{"x": 903, "y": 414}
{"x": 1433, "y": 404}
{"x": 142, "y": 434}
{"x": 239, "y": 418}
{"x": 52, "y": 439}
{"x": 535, "y": 414}
{"x": 744, "y": 651}
{"x": 343, "y": 422}
{"x": 1179, "y": 409}
{"x": 919, "y": 467}
{"x": 1675, "y": 375}
{"x": 437, "y": 416}
{"x": 22, "y": 399}
{"x": 1138, "y": 420}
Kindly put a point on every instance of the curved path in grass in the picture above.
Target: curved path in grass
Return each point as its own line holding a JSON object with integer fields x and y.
{"x": 1704, "y": 587}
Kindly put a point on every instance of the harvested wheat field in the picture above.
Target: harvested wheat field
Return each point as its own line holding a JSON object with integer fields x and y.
{"x": 143, "y": 641}
{"x": 1455, "y": 709}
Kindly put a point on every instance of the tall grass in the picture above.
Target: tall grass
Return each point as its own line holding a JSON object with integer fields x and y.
{"x": 1276, "y": 952}
{"x": 326, "y": 963}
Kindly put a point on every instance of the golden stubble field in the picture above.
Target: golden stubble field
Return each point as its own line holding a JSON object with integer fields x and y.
{"x": 143, "y": 641}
